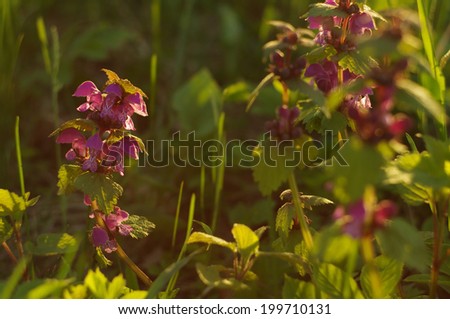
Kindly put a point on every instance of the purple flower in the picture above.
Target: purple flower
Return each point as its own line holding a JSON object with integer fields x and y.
{"x": 94, "y": 144}
{"x": 100, "y": 238}
{"x": 325, "y": 75}
{"x": 114, "y": 154}
{"x": 93, "y": 96}
{"x": 78, "y": 141}
{"x": 360, "y": 23}
{"x": 111, "y": 108}
{"x": 355, "y": 221}
{"x": 284, "y": 127}
{"x": 114, "y": 222}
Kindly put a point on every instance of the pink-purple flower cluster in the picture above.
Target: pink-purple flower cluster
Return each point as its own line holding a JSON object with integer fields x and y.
{"x": 357, "y": 221}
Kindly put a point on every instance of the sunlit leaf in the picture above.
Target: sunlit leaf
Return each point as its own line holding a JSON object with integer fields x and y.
{"x": 335, "y": 282}
{"x": 6, "y": 230}
{"x": 142, "y": 227}
{"x": 100, "y": 187}
{"x": 54, "y": 244}
{"x": 390, "y": 271}
{"x": 67, "y": 175}
{"x": 247, "y": 241}
{"x": 199, "y": 237}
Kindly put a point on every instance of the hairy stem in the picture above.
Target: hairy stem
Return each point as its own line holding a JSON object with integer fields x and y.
{"x": 120, "y": 252}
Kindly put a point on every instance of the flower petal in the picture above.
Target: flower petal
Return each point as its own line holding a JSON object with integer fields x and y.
{"x": 99, "y": 236}
{"x": 85, "y": 89}
{"x": 94, "y": 142}
{"x": 69, "y": 135}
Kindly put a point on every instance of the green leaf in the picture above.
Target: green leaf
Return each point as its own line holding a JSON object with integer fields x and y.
{"x": 43, "y": 288}
{"x": 374, "y": 14}
{"x": 417, "y": 97}
{"x": 96, "y": 282}
{"x": 297, "y": 289}
{"x": 6, "y": 230}
{"x": 11, "y": 203}
{"x": 364, "y": 168}
{"x": 404, "y": 243}
{"x": 390, "y": 271}
{"x": 320, "y": 53}
{"x": 443, "y": 281}
{"x": 160, "y": 282}
{"x": 11, "y": 283}
{"x": 273, "y": 167}
{"x": 101, "y": 258}
{"x": 308, "y": 201}
{"x": 335, "y": 282}
{"x": 54, "y": 244}
{"x": 142, "y": 227}
{"x": 67, "y": 175}
{"x": 210, "y": 276}
{"x": 116, "y": 287}
{"x": 199, "y": 237}
{"x": 136, "y": 294}
{"x": 100, "y": 187}
{"x": 198, "y": 104}
{"x": 124, "y": 83}
{"x": 82, "y": 125}
{"x": 331, "y": 246}
{"x": 285, "y": 219}
{"x": 252, "y": 98}
{"x": 357, "y": 63}
{"x": 247, "y": 241}
{"x": 325, "y": 10}
{"x": 75, "y": 292}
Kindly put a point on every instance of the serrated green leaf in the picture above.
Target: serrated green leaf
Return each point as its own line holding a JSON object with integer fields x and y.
{"x": 390, "y": 271}
{"x": 75, "y": 292}
{"x": 308, "y": 201}
{"x": 116, "y": 287}
{"x": 325, "y": 10}
{"x": 199, "y": 237}
{"x": 101, "y": 258}
{"x": 247, "y": 242}
{"x": 54, "y": 244}
{"x": 100, "y": 187}
{"x": 82, "y": 125}
{"x": 272, "y": 169}
{"x": 11, "y": 203}
{"x": 142, "y": 227}
{"x": 357, "y": 63}
{"x": 320, "y": 53}
{"x": 426, "y": 279}
{"x": 136, "y": 294}
{"x": 404, "y": 243}
{"x": 285, "y": 219}
{"x": 335, "y": 282}
{"x": 96, "y": 282}
{"x": 126, "y": 85}
{"x": 6, "y": 230}
{"x": 67, "y": 175}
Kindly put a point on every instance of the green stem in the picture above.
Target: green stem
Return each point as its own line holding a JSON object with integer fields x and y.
{"x": 369, "y": 257}
{"x": 120, "y": 252}
{"x": 19, "y": 158}
{"x": 307, "y": 237}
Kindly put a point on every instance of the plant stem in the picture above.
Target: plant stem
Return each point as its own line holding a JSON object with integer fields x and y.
{"x": 307, "y": 237}
{"x": 435, "y": 265}
{"x": 369, "y": 258}
{"x": 120, "y": 252}
{"x": 19, "y": 158}
{"x": 9, "y": 252}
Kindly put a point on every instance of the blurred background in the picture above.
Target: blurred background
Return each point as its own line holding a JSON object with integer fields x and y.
{"x": 175, "y": 51}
